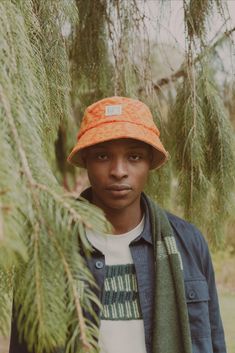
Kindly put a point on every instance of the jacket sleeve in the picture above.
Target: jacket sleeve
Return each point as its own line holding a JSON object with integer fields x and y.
{"x": 197, "y": 264}
{"x": 217, "y": 332}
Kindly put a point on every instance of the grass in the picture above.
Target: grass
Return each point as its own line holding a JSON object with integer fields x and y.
{"x": 227, "y": 307}
{"x": 224, "y": 264}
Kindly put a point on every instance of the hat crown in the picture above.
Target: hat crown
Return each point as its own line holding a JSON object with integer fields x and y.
{"x": 117, "y": 118}
{"x": 117, "y": 109}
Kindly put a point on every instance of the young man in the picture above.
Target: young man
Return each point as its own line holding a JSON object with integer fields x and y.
{"x": 154, "y": 271}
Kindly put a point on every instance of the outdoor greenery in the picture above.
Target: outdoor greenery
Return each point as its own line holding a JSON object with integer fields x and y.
{"x": 39, "y": 220}
{"x": 56, "y": 57}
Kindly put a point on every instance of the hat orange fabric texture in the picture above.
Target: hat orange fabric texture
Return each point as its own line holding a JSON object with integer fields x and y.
{"x": 115, "y": 118}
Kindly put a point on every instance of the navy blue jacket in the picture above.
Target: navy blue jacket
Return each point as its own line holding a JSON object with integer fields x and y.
{"x": 201, "y": 295}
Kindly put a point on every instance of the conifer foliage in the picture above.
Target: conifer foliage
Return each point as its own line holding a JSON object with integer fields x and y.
{"x": 46, "y": 79}
{"x": 39, "y": 223}
{"x": 203, "y": 147}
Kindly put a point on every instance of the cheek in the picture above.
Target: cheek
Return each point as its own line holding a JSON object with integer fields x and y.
{"x": 91, "y": 176}
{"x": 95, "y": 175}
{"x": 143, "y": 181}
{"x": 141, "y": 176}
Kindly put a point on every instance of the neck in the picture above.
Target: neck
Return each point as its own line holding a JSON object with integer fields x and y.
{"x": 123, "y": 220}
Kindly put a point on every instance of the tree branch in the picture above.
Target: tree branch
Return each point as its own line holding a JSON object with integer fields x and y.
{"x": 72, "y": 284}
{"x": 182, "y": 71}
{"x": 26, "y": 168}
{"x": 24, "y": 161}
{"x": 75, "y": 216}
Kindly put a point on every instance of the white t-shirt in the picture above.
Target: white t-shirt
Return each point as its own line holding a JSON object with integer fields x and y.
{"x": 121, "y": 326}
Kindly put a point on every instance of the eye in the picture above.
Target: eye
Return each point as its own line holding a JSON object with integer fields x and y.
{"x": 102, "y": 156}
{"x": 135, "y": 157}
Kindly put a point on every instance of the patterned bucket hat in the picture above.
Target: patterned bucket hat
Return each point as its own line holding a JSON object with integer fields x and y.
{"x": 114, "y": 118}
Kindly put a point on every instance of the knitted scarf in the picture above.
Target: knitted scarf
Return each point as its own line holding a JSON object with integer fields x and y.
{"x": 171, "y": 332}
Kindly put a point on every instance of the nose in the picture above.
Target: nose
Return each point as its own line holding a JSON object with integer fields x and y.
{"x": 118, "y": 169}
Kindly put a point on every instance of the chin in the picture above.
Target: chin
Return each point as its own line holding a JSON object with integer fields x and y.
{"x": 119, "y": 204}
{"x": 116, "y": 202}
{"x": 116, "y": 205}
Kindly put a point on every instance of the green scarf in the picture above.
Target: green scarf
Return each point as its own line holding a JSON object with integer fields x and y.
{"x": 171, "y": 332}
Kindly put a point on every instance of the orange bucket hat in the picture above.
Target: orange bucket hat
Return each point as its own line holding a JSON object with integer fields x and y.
{"x": 114, "y": 118}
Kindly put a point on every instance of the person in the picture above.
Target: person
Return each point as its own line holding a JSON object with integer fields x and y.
{"x": 154, "y": 272}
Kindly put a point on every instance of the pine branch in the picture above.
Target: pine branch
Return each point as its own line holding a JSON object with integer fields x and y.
{"x": 24, "y": 161}
{"x": 6, "y": 278}
{"x": 203, "y": 150}
{"x": 182, "y": 72}
{"x": 38, "y": 299}
{"x": 32, "y": 183}
{"x": 42, "y": 228}
{"x": 33, "y": 99}
{"x": 74, "y": 216}
{"x": 82, "y": 326}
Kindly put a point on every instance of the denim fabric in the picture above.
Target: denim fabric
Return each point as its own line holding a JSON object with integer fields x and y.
{"x": 204, "y": 316}
{"x": 201, "y": 295}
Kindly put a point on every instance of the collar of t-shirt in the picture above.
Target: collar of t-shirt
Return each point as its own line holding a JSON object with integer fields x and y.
{"x": 115, "y": 247}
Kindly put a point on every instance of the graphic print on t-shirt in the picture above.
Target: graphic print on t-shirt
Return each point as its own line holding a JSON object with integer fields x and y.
{"x": 120, "y": 296}
{"x": 120, "y": 316}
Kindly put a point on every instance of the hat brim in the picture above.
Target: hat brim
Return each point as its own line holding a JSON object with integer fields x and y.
{"x": 118, "y": 130}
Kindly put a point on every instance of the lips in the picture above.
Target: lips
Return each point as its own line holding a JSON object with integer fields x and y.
{"x": 118, "y": 191}
{"x": 118, "y": 187}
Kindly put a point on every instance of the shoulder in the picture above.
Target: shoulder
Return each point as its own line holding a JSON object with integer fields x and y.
{"x": 184, "y": 227}
{"x": 187, "y": 233}
{"x": 189, "y": 239}
{"x": 192, "y": 246}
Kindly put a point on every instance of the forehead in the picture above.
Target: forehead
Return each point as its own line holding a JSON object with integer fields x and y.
{"x": 125, "y": 143}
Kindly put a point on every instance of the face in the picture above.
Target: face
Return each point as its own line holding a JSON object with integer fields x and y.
{"x": 117, "y": 171}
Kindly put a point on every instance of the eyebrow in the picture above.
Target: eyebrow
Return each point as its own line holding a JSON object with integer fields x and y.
{"x": 139, "y": 146}
{"x": 133, "y": 145}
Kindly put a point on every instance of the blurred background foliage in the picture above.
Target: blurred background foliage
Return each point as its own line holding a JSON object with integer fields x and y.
{"x": 190, "y": 92}
{"x": 58, "y": 57}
